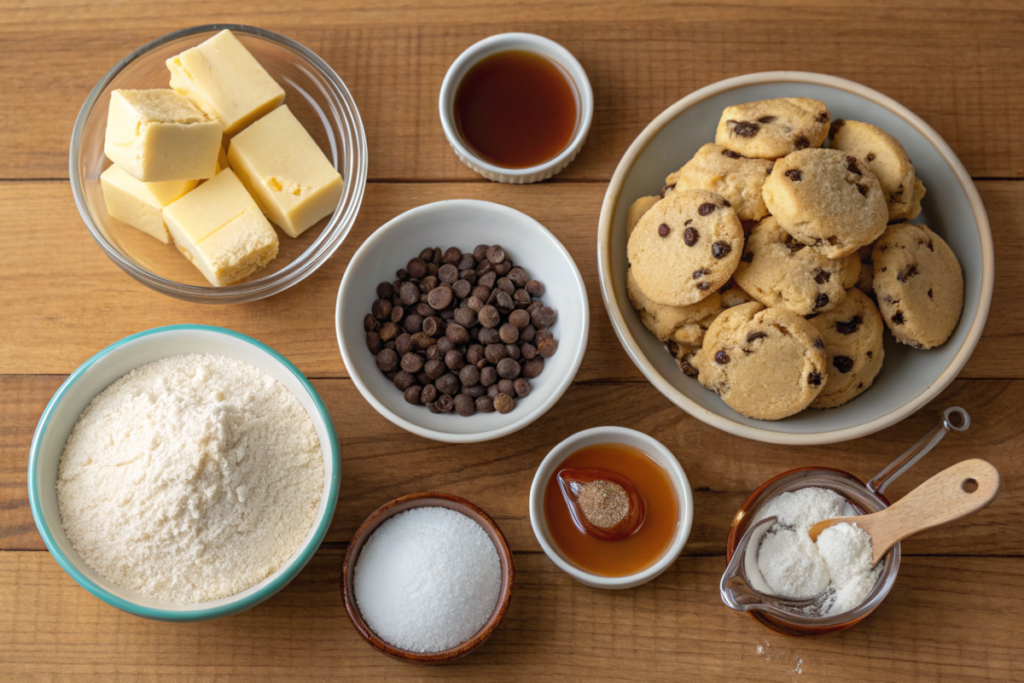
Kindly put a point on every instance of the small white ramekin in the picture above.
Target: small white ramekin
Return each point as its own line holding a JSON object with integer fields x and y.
{"x": 628, "y": 437}
{"x": 527, "y": 42}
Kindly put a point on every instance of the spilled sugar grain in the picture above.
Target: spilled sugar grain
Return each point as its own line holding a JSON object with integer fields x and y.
{"x": 427, "y": 579}
{"x": 190, "y": 479}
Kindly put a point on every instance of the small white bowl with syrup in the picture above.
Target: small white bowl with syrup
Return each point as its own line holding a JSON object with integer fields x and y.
{"x": 516, "y": 107}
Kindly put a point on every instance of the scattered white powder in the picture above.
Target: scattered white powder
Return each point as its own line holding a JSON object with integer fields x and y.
{"x": 190, "y": 479}
{"x": 793, "y": 566}
{"x": 427, "y": 579}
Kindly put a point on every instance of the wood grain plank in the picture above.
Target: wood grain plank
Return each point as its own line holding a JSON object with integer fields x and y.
{"x": 381, "y": 462}
{"x": 946, "y": 619}
{"x": 55, "y": 282}
{"x": 958, "y": 68}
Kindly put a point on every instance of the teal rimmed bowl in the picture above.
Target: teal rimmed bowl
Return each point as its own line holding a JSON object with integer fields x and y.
{"x": 99, "y": 372}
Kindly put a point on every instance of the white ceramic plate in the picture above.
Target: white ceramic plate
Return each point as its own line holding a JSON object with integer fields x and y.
{"x": 463, "y": 223}
{"x": 952, "y": 208}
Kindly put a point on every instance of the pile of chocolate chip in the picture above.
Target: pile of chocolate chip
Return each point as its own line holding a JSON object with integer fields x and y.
{"x": 461, "y": 331}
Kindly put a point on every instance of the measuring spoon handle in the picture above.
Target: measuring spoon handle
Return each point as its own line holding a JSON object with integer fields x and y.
{"x": 953, "y": 493}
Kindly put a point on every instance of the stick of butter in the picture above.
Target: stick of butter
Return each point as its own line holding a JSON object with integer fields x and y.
{"x": 286, "y": 172}
{"x": 158, "y": 135}
{"x": 223, "y": 79}
{"x": 221, "y": 230}
{"x": 140, "y": 204}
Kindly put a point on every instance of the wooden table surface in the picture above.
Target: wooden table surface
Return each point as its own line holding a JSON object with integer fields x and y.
{"x": 956, "y": 612}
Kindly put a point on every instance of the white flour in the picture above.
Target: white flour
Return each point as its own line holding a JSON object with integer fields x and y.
{"x": 793, "y": 566}
{"x": 190, "y": 479}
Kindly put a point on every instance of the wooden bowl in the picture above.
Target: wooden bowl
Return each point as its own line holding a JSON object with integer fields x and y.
{"x": 415, "y": 500}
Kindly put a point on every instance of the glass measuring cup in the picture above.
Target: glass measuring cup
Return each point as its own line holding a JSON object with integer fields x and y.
{"x": 742, "y": 587}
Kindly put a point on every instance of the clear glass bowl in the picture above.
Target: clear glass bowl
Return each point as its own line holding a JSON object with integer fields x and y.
{"x": 317, "y": 97}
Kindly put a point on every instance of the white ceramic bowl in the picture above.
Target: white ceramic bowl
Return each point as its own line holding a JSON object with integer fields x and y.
{"x": 629, "y": 437}
{"x": 952, "y": 208}
{"x": 463, "y": 223}
{"x": 95, "y": 375}
{"x": 527, "y": 42}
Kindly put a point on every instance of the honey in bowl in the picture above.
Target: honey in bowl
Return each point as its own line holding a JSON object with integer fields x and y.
{"x": 516, "y": 109}
{"x": 633, "y": 495}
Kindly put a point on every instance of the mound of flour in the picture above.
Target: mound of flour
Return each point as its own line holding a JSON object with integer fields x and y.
{"x": 190, "y": 479}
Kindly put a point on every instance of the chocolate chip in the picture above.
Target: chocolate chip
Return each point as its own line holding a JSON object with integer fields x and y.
{"x": 663, "y": 230}
{"x": 409, "y": 293}
{"x": 819, "y": 344}
{"x": 688, "y": 369}
{"x": 440, "y": 297}
{"x": 745, "y": 129}
{"x": 754, "y": 336}
{"x": 766, "y": 119}
{"x": 930, "y": 294}
{"x": 862, "y": 189}
{"x": 843, "y": 364}
{"x": 814, "y": 378}
{"x": 823, "y": 117}
{"x": 720, "y": 249}
{"x": 721, "y": 358}
{"x": 387, "y": 360}
{"x": 417, "y": 268}
{"x": 801, "y": 143}
{"x": 794, "y": 175}
{"x": 851, "y": 165}
{"x": 690, "y": 236}
{"x": 706, "y": 208}
{"x": 534, "y": 288}
{"x": 911, "y": 272}
{"x": 850, "y": 326}
{"x": 821, "y": 301}
{"x": 725, "y": 202}
{"x": 703, "y": 286}
{"x": 373, "y": 342}
{"x": 871, "y": 157}
{"x": 834, "y": 128}
{"x": 731, "y": 154}
{"x": 897, "y": 318}
{"x": 822, "y": 276}
{"x": 495, "y": 254}
{"x": 698, "y": 274}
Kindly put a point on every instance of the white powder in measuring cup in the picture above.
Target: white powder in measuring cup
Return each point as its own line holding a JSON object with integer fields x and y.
{"x": 839, "y": 564}
{"x": 190, "y": 479}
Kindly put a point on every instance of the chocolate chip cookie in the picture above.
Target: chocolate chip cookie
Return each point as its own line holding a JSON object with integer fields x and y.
{"x": 770, "y": 129}
{"x": 737, "y": 178}
{"x": 919, "y": 285}
{"x": 884, "y": 156}
{"x": 777, "y": 270}
{"x": 685, "y": 247}
{"x": 826, "y": 199}
{"x": 683, "y": 325}
{"x": 852, "y": 332}
{"x": 765, "y": 363}
{"x": 636, "y": 211}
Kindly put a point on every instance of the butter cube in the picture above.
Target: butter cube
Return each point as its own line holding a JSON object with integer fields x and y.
{"x": 285, "y": 171}
{"x": 223, "y": 79}
{"x": 140, "y": 204}
{"x": 221, "y": 230}
{"x": 158, "y": 135}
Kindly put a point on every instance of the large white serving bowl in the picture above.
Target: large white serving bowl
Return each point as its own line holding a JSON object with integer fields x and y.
{"x": 952, "y": 208}
{"x": 95, "y": 375}
{"x": 463, "y": 223}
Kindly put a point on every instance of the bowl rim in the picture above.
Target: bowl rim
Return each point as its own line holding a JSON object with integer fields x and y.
{"x": 608, "y": 210}
{"x": 314, "y": 256}
{"x": 615, "y": 435}
{"x": 287, "y": 571}
{"x": 473, "y": 54}
{"x": 477, "y": 639}
{"x": 352, "y": 367}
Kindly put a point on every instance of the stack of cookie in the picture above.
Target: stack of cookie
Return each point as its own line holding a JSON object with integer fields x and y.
{"x": 760, "y": 262}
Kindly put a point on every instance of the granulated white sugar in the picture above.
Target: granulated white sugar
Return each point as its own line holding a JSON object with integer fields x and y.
{"x": 838, "y": 565}
{"x": 427, "y": 579}
{"x": 190, "y": 479}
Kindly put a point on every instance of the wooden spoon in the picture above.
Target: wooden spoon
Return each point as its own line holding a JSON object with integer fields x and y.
{"x": 955, "y": 492}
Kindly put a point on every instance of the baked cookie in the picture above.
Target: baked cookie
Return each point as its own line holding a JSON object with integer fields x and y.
{"x": 919, "y": 285}
{"x": 737, "y": 178}
{"x": 770, "y": 129}
{"x": 685, "y": 247}
{"x": 826, "y": 199}
{"x": 884, "y": 156}
{"x": 852, "y": 332}
{"x": 915, "y": 203}
{"x": 636, "y": 211}
{"x": 777, "y": 270}
{"x": 765, "y": 363}
{"x": 681, "y": 324}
